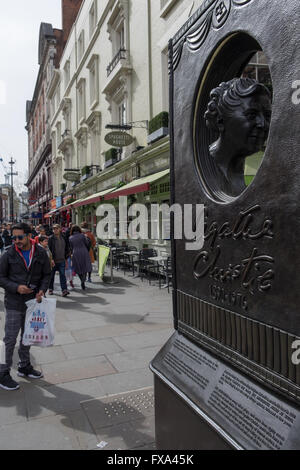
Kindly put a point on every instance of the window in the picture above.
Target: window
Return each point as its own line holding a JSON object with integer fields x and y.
{"x": 118, "y": 25}
{"x": 66, "y": 111}
{"x": 58, "y": 133}
{"x": 80, "y": 46}
{"x": 94, "y": 129}
{"x": 52, "y": 106}
{"x": 81, "y": 100}
{"x": 57, "y": 96}
{"x": 165, "y": 80}
{"x": 93, "y": 18}
{"x": 82, "y": 154}
{"x": 53, "y": 141}
{"x": 67, "y": 73}
{"x": 94, "y": 80}
{"x": 120, "y": 35}
{"x": 122, "y": 113}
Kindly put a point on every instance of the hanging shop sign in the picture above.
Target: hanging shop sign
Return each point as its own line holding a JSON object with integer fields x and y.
{"x": 58, "y": 202}
{"x": 53, "y": 204}
{"x": 118, "y": 139}
{"x": 36, "y": 215}
{"x": 72, "y": 176}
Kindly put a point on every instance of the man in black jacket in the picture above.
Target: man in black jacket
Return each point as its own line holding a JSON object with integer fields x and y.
{"x": 60, "y": 249}
{"x": 24, "y": 274}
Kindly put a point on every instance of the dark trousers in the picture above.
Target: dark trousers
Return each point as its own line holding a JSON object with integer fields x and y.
{"x": 82, "y": 277}
{"x": 14, "y": 322}
{"x": 60, "y": 267}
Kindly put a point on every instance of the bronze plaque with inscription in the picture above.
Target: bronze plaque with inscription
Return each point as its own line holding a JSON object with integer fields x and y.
{"x": 238, "y": 297}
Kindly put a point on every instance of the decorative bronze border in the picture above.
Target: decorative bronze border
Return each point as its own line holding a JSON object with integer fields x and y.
{"x": 217, "y": 12}
{"x": 256, "y": 348}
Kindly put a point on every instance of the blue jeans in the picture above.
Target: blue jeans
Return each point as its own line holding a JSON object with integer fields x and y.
{"x": 60, "y": 267}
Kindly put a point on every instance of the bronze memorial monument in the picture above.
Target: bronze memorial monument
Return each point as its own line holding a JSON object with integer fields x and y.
{"x": 229, "y": 377}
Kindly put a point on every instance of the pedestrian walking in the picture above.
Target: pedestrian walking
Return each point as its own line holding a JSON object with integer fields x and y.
{"x": 24, "y": 274}
{"x": 1, "y": 243}
{"x": 68, "y": 231}
{"x": 42, "y": 231}
{"x": 87, "y": 232}
{"x": 43, "y": 242}
{"x": 81, "y": 261}
{"x": 60, "y": 250}
{"x": 33, "y": 232}
{"x": 6, "y": 235}
{"x": 69, "y": 271}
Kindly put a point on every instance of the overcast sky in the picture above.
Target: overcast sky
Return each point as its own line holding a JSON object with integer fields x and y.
{"x": 19, "y": 35}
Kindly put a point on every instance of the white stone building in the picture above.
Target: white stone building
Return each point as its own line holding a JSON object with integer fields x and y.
{"x": 114, "y": 70}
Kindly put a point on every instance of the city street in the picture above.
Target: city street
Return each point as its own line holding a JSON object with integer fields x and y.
{"x": 97, "y": 390}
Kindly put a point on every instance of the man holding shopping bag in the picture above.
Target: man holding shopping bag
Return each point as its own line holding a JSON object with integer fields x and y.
{"x": 24, "y": 274}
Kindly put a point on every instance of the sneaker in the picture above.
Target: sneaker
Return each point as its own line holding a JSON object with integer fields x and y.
{"x": 29, "y": 371}
{"x": 50, "y": 292}
{"x": 7, "y": 383}
{"x": 65, "y": 293}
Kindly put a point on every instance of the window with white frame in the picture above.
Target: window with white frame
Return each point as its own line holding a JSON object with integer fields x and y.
{"x": 122, "y": 115}
{"x": 82, "y": 153}
{"x": 93, "y": 67}
{"x": 165, "y": 80}
{"x": 53, "y": 142}
{"x": 58, "y": 133}
{"x": 94, "y": 130}
{"x": 81, "y": 100}
{"x": 80, "y": 46}
{"x": 118, "y": 25}
{"x": 67, "y": 73}
{"x": 93, "y": 18}
{"x": 120, "y": 36}
{"x": 58, "y": 96}
{"x": 66, "y": 111}
{"x": 52, "y": 106}
{"x": 95, "y": 145}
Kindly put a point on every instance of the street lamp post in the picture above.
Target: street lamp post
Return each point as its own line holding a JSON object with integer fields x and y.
{"x": 12, "y": 174}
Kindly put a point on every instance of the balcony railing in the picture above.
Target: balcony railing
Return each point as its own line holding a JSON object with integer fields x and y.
{"x": 119, "y": 56}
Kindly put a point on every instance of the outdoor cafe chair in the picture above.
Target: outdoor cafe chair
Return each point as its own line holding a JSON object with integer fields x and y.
{"x": 143, "y": 263}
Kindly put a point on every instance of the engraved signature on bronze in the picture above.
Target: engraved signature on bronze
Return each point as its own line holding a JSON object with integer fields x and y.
{"x": 250, "y": 271}
{"x": 230, "y": 298}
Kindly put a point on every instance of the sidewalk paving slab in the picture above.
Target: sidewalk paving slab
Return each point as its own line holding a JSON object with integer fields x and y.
{"x": 105, "y": 339}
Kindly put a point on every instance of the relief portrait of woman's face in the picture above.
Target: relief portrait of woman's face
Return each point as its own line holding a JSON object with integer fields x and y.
{"x": 239, "y": 113}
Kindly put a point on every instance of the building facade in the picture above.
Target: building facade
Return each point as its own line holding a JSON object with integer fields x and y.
{"x": 113, "y": 76}
{"x": 113, "y": 72}
{"x": 51, "y": 44}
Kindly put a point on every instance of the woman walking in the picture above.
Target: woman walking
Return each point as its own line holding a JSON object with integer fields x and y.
{"x": 81, "y": 261}
{"x": 90, "y": 235}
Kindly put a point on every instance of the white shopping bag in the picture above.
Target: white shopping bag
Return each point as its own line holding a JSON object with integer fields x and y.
{"x": 39, "y": 323}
